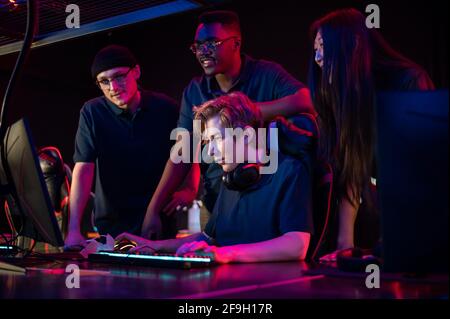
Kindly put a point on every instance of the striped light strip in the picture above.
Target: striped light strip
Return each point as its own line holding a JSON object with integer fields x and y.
{"x": 171, "y": 258}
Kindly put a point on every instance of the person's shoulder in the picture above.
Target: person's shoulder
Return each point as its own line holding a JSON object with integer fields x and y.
{"x": 265, "y": 69}
{"x": 265, "y": 65}
{"x": 289, "y": 167}
{"x": 93, "y": 111}
{"x": 93, "y": 104}
{"x": 416, "y": 78}
{"x": 409, "y": 77}
{"x": 194, "y": 84}
{"x": 194, "y": 93}
{"x": 411, "y": 72}
{"x": 290, "y": 163}
{"x": 160, "y": 98}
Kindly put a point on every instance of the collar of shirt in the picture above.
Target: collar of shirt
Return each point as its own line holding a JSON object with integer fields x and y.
{"x": 121, "y": 112}
{"x": 212, "y": 86}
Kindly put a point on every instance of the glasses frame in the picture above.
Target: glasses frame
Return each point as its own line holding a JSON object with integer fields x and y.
{"x": 120, "y": 78}
{"x": 211, "y": 45}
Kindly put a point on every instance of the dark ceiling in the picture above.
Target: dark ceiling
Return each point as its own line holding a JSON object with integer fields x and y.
{"x": 95, "y": 16}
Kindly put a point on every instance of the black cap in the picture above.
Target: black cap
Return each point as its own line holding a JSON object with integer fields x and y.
{"x": 112, "y": 56}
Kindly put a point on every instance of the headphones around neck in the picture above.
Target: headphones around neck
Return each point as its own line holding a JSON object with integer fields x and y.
{"x": 242, "y": 177}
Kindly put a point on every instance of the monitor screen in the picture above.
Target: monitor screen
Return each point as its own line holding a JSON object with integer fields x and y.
{"x": 25, "y": 188}
{"x": 412, "y": 160}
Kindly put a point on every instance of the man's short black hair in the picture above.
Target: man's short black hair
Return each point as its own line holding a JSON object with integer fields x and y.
{"x": 228, "y": 19}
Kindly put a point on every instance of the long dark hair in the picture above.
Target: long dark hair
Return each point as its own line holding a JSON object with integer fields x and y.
{"x": 356, "y": 60}
{"x": 392, "y": 70}
{"x": 343, "y": 95}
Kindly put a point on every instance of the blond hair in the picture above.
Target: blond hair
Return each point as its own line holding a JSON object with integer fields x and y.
{"x": 234, "y": 110}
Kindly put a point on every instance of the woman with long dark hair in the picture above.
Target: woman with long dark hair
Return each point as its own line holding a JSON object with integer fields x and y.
{"x": 350, "y": 64}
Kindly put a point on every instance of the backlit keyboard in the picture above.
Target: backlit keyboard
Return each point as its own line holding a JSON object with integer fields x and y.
{"x": 151, "y": 260}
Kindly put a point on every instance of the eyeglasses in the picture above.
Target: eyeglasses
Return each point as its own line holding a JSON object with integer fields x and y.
{"x": 119, "y": 78}
{"x": 211, "y": 45}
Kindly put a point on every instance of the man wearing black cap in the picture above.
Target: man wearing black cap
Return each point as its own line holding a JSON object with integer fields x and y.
{"x": 120, "y": 142}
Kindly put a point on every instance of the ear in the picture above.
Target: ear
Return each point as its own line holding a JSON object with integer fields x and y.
{"x": 137, "y": 72}
{"x": 237, "y": 43}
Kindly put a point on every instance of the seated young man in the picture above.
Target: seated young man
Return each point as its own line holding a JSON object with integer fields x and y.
{"x": 257, "y": 217}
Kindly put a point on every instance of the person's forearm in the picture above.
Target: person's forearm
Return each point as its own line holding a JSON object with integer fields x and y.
{"x": 347, "y": 217}
{"x": 193, "y": 178}
{"x": 300, "y": 102}
{"x": 172, "y": 177}
{"x": 82, "y": 177}
{"x": 171, "y": 245}
{"x": 290, "y": 246}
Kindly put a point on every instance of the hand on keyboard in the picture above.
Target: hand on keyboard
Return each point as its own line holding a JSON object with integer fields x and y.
{"x": 201, "y": 248}
{"x": 143, "y": 250}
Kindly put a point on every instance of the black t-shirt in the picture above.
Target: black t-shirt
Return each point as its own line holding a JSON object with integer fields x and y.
{"x": 279, "y": 203}
{"x": 129, "y": 152}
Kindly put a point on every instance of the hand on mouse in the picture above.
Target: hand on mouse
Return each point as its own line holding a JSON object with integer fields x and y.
{"x": 124, "y": 245}
{"x": 137, "y": 241}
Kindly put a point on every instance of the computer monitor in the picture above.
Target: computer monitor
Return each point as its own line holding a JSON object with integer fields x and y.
{"x": 23, "y": 184}
{"x": 412, "y": 161}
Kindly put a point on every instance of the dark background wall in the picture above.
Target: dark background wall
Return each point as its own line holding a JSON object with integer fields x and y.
{"x": 57, "y": 80}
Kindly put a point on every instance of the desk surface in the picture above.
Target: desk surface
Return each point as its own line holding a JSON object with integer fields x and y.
{"x": 287, "y": 280}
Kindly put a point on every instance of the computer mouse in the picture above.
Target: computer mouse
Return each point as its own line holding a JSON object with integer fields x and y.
{"x": 355, "y": 259}
{"x": 124, "y": 245}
